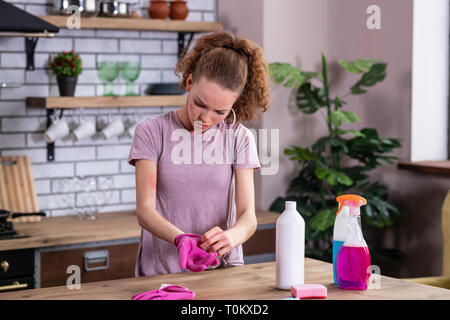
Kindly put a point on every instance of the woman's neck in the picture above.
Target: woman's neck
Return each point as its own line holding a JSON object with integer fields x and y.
{"x": 184, "y": 118}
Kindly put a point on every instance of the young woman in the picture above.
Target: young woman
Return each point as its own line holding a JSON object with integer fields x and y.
{"x": 191, "y": 208}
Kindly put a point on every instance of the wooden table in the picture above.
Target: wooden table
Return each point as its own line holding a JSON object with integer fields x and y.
{"x": 71, "y": 230}
{"x": 249, "y": 282}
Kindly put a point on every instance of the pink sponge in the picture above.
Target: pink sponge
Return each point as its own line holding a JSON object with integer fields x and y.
{"x": 307, "y": 291}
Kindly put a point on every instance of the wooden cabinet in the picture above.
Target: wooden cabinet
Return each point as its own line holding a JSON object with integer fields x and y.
{"x": 100, "y": 263}
{"x": 262, "y": 242}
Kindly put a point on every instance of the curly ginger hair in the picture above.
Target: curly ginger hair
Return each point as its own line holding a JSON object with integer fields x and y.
{"x": 236, "y": 64}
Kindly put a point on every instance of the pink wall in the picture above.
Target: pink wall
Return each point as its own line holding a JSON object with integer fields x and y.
{"x": 298, "y": 31}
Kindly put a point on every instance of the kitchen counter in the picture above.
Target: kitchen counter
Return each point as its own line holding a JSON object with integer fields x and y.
{"x": 229, "y": 283}
{"x": 71, "y": 230}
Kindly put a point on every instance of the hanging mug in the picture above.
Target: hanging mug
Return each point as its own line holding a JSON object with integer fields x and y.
{"x": 85, "y": 129}
{"x": 133, "y": 126}
{"x": 57, "y": 130}
{"x": 114, "y": 128}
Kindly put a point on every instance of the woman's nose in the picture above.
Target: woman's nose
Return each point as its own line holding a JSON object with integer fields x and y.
{"x": 205, "y": 117}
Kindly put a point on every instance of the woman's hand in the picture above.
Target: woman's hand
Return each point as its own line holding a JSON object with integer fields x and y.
{"x": 217, "y": 240}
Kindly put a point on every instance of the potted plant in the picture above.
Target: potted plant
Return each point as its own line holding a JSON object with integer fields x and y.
{"x": 66, "y": 66}
{"x": 339, "y": 162}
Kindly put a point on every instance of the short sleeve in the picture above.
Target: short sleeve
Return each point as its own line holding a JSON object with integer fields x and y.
{"x": 246, "y": 155}
{"x": 146, "y": 142}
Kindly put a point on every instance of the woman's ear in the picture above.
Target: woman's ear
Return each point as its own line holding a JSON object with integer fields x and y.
{"x": 189, "y": 82}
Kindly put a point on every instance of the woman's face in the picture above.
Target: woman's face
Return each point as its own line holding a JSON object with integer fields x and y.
{"x": 208, "y": 102}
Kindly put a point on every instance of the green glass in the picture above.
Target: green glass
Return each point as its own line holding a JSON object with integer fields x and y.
{"x": 130, "y": 72}
{"x": 108, "y": 72}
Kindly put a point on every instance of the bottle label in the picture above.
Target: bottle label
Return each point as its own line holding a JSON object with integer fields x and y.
{"x": 336, "y": 245}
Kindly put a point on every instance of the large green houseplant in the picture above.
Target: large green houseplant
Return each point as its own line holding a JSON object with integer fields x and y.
{"x": 339, "y": 162}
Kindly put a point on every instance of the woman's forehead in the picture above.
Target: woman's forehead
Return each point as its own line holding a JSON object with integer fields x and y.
{"x": 213, "y": 95}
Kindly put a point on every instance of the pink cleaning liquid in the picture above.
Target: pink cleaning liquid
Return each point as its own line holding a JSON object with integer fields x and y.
{"x": 352, "y": 265}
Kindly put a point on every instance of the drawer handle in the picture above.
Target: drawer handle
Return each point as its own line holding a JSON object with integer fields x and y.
{"x": 96, "y": 257}
{"x": 15, "y": 285}
{"x": 5, "y": 265}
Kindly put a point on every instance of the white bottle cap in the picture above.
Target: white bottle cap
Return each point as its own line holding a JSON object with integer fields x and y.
{"x": 290, "y": 205}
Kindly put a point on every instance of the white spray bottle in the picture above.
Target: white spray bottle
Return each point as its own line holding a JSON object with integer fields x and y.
{"x": 290, "y": 248}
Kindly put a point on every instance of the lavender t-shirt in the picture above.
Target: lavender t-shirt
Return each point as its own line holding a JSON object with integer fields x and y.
{"x": 195, "y": 189}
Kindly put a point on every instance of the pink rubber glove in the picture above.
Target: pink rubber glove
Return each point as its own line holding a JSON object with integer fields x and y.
{"x": 167, "y": 293}
{"x": 191, "y": 255}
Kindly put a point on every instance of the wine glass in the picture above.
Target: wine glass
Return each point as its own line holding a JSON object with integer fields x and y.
{"x": 86, "y": 197}
{"x": 130, "y": 72}
{"x": 109, "y": 71}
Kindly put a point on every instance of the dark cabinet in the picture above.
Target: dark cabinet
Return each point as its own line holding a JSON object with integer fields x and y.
{"x": 16, "y": 270}
{"x": 262, "y": 242}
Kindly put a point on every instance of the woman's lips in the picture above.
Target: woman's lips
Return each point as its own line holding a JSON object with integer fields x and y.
{"x": 198, "y": 123}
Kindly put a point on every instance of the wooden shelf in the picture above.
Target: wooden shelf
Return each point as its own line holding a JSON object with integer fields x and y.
{"x": 441, "y": 167}
{"x": 136, "y": 24}
{"x": 105, "y": 102}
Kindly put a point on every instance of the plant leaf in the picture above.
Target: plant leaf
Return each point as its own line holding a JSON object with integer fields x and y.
{"x": 338, "y": 103}
{"x": 342, "y": 178}
{"x": 288, "y": 75}
{"x": 356, "y": 133}
{"x": 320, "y": 145}
{"x": 357, "y": 90}
{"x": 358, "y": 66}
{"x": 323, "y": 220}
{"x": 376, "y": 73}
{"x": 309, "y": 99}
{"x": 350, "y": 117}
{"x": 332, "y": 178}
{"x": 339, "y": 116}
{"x": 321, "y": 173}
{"x": 300, "y": 154}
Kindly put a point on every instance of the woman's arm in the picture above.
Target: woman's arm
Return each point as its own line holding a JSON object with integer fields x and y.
{"x": 223, "y": 241}
{"x": 246, "y": 222}
{"x": 147, "y": 216}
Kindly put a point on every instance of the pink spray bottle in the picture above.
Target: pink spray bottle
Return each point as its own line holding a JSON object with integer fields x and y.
{"x": 352, "y": 265}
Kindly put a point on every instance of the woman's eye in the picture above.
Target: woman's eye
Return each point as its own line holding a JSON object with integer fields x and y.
{"x": 203, "y": 107}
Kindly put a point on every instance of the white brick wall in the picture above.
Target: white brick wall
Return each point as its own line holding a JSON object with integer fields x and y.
{"x": 112, "y": 152}
{"x": 54, "y": 44}
{"x": 53, "y": 170}
{"x": 96, "y": 168}
{"x": 140, "y": 46}
{"x": 21, "y": 128}
{"x": 18, "y": 60}
{"x": 12, "y": 140}
{"x": 12, "y": 108}
{"x": 95, "y": 45}
{"x": 42, "y": 186}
